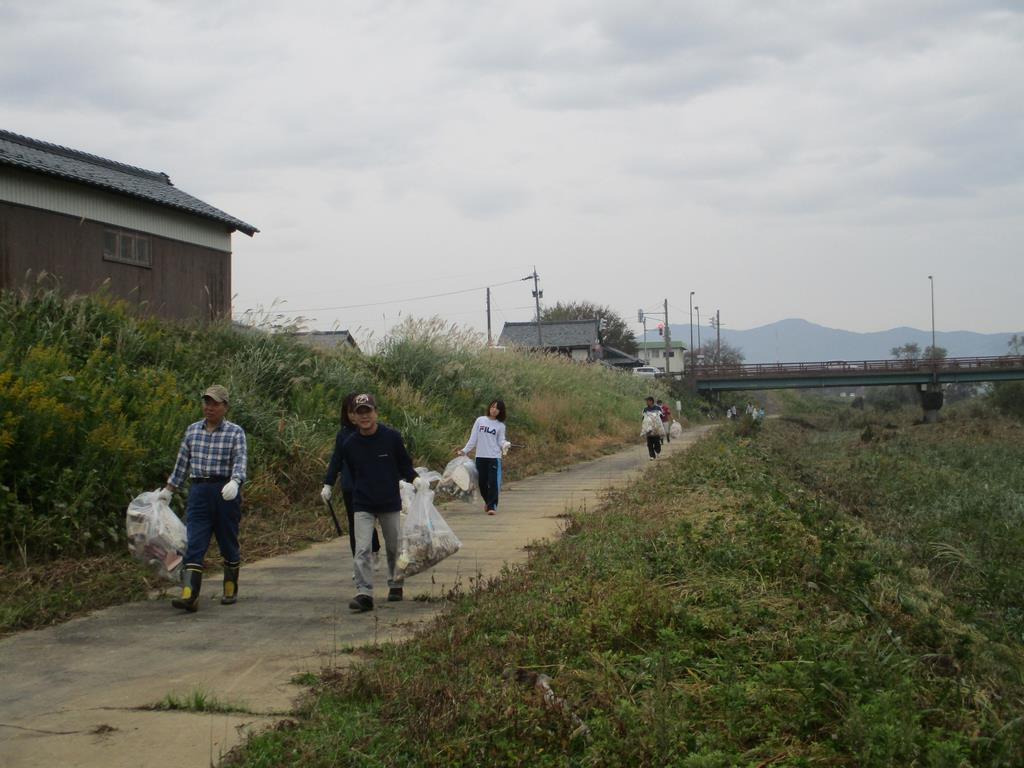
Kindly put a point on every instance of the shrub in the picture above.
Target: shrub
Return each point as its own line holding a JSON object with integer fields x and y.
{"x": 93, "y": 404}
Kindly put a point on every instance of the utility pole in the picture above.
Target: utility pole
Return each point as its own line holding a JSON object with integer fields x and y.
{"x": 931, "y": 282}
{"x": 718, "y": 331}
{"x": 698, "y": 327}
{"x": 537, "y": 296}
{"x": 489, "y": 342}
{"x": 642, "y": 318}
{"x": 668, "y": 344}
{"x": 692, "y": 351}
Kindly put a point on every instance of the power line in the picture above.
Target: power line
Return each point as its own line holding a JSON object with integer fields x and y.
{"x": 399, "y": 301}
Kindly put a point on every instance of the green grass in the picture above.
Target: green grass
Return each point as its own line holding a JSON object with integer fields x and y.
{"x": 738, "y": 607}
{"x": 94, "y": 401}
{"x": 198, "y": 700}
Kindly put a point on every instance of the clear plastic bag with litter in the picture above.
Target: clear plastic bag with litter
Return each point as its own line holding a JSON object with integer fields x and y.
{"x": 426, "y": 538}
{"x": 460, "y": 478}
{"x": 156, "y": 536}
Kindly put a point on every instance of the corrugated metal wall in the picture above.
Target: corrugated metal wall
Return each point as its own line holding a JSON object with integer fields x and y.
{"x": 92, "y": 204}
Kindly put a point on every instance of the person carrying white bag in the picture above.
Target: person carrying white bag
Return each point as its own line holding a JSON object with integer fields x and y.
{"x": 378, "y": 460}
{"x": 156, "y": 536}
{"x": 427, "y": 539}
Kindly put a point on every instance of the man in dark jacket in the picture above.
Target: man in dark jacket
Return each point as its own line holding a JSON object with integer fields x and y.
{"x": 338, "y": 466}
{"x": 378, "y": 459}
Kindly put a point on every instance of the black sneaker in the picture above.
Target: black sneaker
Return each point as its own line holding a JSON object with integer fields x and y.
{"x": 361, "y": 603}
{"x": 394, "y": 594}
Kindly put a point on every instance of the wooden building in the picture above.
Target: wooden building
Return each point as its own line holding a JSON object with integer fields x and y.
{"x": 579, "y": 340}
{"x": 92, "y": 222}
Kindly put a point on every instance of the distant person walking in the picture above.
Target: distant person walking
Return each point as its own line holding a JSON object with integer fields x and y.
{"x": 214, "y": 456}
{"x": 652, "y": 428}
{"x": 338, "y": 466}
{"x": 666, "y": 419}
{"x": 487, "y": 437}
{"x": 377, "y": 458}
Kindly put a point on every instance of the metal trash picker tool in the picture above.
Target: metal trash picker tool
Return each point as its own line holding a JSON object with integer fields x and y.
{"x": 334, "y": 517}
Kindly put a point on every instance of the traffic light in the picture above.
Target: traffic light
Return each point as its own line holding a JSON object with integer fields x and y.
{"x": 661, "y": 329}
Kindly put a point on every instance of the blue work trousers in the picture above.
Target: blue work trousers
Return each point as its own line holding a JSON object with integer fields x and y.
{"x": 207, "y": 513}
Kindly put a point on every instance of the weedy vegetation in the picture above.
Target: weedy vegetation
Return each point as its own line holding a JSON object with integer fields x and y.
{"x": 805, "y": 593}
{"x": 94, "y": 401}
{"x": 198, "y": 700}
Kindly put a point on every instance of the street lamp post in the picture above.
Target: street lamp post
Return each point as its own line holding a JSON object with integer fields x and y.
{"x": 692, "y": 358}
{"x": 697, "y": 310}
{"x": 931, "y": 282}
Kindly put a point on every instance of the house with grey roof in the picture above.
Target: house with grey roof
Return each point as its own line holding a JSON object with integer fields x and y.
{"x": 578, "y": 339}
{"x": 328, "y": 340}
{"x": 93, "y": 222}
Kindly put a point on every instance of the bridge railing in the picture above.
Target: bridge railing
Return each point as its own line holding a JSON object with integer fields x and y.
{"x": 841, "y": 367}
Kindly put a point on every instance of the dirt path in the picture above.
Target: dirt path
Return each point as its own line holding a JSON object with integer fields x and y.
{"x": 76, "y": 694}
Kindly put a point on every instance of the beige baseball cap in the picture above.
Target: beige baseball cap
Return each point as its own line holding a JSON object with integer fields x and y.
{"x": 216, "y": 392}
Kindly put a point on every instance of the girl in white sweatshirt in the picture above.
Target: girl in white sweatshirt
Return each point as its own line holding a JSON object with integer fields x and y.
{"x": 488, "y": 437}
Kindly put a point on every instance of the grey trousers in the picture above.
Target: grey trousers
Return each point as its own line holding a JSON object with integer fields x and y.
{"x": 362, "y": 562}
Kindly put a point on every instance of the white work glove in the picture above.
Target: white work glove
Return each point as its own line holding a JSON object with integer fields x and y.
{"x": 420, "y": 483}
{"x": 164, "y": 495}
{"x": 325, "y": 493}
{"x": 504, "y": 447}
{"x": 230, "y": 490}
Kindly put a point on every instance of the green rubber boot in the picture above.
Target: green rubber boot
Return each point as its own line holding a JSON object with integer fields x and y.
{"x": 191, "y": 581}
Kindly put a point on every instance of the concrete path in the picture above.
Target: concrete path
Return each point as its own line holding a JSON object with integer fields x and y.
{"x": 77, "y": 694}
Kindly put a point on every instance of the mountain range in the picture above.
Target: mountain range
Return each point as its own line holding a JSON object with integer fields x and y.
{"x": 798, "y": 340}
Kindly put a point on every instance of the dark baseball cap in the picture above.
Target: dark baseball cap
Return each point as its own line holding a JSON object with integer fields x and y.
{"x": 363, "y": 401}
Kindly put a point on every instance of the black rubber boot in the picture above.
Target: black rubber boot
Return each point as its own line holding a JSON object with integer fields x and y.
{"x": 191, "y": 581}
{"x": 230, "y": 584}
{"x": 361, "y": 603}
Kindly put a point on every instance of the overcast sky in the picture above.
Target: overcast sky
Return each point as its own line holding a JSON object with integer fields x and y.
{"x": 812, "y": 159}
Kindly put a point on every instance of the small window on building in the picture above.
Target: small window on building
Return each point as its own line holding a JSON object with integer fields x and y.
{"x": 126, "y": 247}
{"x": 109, "y": 244}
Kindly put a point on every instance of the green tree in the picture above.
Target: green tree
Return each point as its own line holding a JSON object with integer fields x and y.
{"x": 909, "y": 351}
{"x": 936, "y": 353}
{"x": 615, "y": 331}
{"x": 1008, "y": 396}
{"x": 728, "y": 355}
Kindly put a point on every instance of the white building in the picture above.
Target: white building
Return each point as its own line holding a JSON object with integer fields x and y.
{"x": 654, "y": 353}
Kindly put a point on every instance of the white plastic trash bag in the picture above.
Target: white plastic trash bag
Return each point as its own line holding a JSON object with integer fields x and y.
{"x": 651, "y": 424}
{"x": 460, "y": 474}
{"x": 676, "y": 430}
{"x": 156, "y": 536}
{"x": 426, "y": 538}
{"x": 408, "y": 492}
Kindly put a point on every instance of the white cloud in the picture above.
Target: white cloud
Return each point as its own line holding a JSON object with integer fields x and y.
{"x": 808, "y": 153}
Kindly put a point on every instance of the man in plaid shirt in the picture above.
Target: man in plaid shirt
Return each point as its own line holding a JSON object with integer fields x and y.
{"x": 213, "y": 455}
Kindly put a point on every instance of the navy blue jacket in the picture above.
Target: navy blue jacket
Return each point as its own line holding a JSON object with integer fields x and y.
{"x": 377, "y": 463}
{"x": 337, "y": 463}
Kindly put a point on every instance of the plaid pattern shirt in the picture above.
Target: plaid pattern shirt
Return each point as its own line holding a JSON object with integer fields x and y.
{"x": 221, "y": 453}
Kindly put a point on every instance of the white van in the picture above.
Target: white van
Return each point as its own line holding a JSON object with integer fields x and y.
{"x": 647, "y": 370}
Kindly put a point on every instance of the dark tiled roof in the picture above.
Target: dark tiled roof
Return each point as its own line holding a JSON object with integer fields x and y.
{"x": 72, "y": 165}
{"x": 616, "y": 357}
{"x": 561, "y": 334}
{"x": 327, "y": 339}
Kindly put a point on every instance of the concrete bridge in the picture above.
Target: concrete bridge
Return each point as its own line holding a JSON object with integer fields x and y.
{"x": 927, "y": 375}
